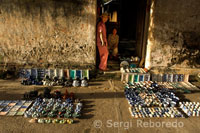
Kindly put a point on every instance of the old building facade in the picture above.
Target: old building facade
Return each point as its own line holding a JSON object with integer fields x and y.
{"x": 62, "y": 33}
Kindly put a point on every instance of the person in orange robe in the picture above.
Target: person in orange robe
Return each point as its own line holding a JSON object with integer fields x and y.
{"x": 102, "y": 42}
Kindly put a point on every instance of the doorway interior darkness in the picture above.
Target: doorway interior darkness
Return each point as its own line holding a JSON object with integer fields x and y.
{"x": 131, "y": 16}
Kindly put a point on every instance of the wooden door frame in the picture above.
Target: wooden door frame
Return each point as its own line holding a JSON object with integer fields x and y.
{"x": 145, "y": 32}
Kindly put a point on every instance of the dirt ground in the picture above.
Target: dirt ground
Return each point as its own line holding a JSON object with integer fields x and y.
{"x": 105, "y": 110}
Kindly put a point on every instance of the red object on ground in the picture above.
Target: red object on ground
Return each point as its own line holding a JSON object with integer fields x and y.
{"x": 146, "y": 70}
{"x": 71, "y": 95}
{"x": 66, "y": 95}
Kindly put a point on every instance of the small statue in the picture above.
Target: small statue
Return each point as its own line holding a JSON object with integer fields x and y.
{"x": 68, "y": 83}
{"x": 76, "y": 82}
{"x": 84, "y": 82}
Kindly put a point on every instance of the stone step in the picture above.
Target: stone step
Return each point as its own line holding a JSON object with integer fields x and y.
{"x": 116, "y": 65}
{"x": 113, "y": 65}
{"x": 112, "y": 74}
{"x": 102, "y": 76}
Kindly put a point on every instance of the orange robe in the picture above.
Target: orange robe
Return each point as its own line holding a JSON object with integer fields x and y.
{"x": 103, "y": 50}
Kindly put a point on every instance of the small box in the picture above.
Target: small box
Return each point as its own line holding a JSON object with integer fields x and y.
{"x": 19, "y": 113}
{"x": 85, "y": 74}
{"x": 11, "y": 113}
{"x": 72, "y": 74}
{"x": 175, "y": 78}
{"x": 180, "y": 78}
{"x": 141, "y": 77}
{"x": 154, "y": 77}
{"x": 79, "y": 74}
{"x": 136, "y": 78}
{"x": 131, "y": 77}
{"x": 160, "y": 78}
{"x": 147, "y": 77}
{"x": 165, "y": 77}
{"x": 34, "y": 73}
{"x": 170, "y": 77}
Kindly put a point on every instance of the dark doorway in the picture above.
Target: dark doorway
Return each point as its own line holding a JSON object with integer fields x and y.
{"x": 131, "y": 22}
{"x": 132, "y": 25}
{"x": 128, "y": 20}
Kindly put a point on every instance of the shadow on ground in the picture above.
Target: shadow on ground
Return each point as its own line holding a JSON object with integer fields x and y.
{"x": 100, "y": 95}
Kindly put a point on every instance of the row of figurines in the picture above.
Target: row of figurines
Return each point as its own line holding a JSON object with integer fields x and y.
{"x": 190, "y": 108}
{"x": 54, "y": 108}
{"x": 134, "y": 70}
{"x": 145, "y": 112}
{"x": 51, "y": 73}
{"x": 131, "y": 78}
{"x": 56, "y": 82}
{"x": 48, "y": 121}
{"x": 177, "y": 85}
{"x": 150, "y": 96}
{"x": 136, "y": 77}
{"x": 48, "y": 94}
{"x": 169, "y": 85}
{"x": 163, "y": 85}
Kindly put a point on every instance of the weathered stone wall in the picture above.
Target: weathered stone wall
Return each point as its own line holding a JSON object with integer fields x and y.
{"x": 174, "y": 36}
{"x": 48, "y": 32}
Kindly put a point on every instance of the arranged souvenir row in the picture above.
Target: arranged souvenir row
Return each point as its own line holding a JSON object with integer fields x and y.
{"x": 170, "y": 77}
{"x": 56, "y": 82}
{"x": 129, "y": 77}
{"x": 184, "y": 87}
{"x": 12, "y": 108}
{"x": 134, "y": 70}
{"x": 190, "y": 108}
{"x": 169, "y": 85}
{"x": 126, "y": 63}
{"x": 178, "y": 85}
{"x": 144, "y": 112}
{"x": 54, "y": 108}
{"x": 48, "y": 94}
{"x": 149, "y": 95}
{"x": 55, "y": 121}
{"x": 35, "y": 73}
{"x": 129, "y": 59}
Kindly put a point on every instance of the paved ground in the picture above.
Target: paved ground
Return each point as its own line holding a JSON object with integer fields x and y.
{"x": 105, "y": 110}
